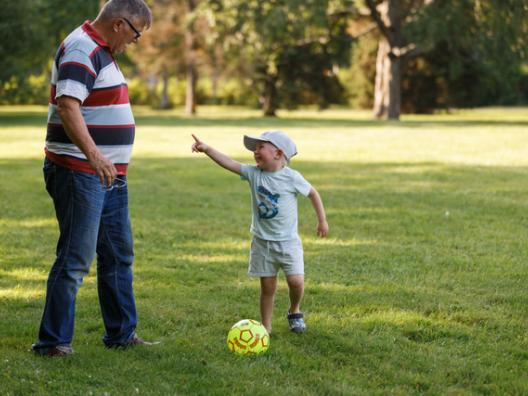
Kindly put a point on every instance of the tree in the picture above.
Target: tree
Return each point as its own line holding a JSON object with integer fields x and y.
{"x": 434, "y": 53}
{"x": 31, "y": 31}
{"x": 191, "y": 48}
{"x": 292, "y": 45}
{"x": 175, "y": 47}
{"x": 472, "y": 54}
{"x": 394, "y": 49}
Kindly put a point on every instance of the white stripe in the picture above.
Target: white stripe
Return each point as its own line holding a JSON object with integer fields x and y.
{"x": 120, "y": 114}
{"x": 116, "y": 154}
{"x": 110, "y": 76}
{"x": 54, "y": 74}
{"x": 79, "y": 40}
{"x": 77, "y": 56}
{"x": 71, "y": 88}
{"x": 65, "y": 149}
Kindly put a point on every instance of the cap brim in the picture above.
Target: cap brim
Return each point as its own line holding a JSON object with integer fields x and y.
{"x": 251, "y": 142}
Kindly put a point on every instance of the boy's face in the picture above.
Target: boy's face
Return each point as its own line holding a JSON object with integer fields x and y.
{"x": 266, "y": 155}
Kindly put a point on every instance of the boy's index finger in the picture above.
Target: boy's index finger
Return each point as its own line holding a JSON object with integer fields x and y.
{"x": 195, "y": 138}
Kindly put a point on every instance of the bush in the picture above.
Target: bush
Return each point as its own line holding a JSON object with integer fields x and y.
{"x": 32, "y": 90}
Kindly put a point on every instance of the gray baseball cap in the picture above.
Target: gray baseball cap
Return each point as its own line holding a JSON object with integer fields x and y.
{"x": 278, "y": 138}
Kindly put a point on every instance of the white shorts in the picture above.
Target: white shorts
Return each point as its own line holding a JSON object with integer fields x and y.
{"x": 267, "y": 257}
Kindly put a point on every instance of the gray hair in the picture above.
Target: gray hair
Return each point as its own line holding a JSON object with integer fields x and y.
{"x": 131, "y": 9}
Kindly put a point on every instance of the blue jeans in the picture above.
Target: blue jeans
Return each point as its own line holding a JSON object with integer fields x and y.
{"x": 91, "y": 220}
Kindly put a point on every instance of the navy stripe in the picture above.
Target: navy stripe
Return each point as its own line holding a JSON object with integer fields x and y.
{"x": 105, "y": 136}
{"x": 75, "y": 72}
{"x": 101, "y": 59}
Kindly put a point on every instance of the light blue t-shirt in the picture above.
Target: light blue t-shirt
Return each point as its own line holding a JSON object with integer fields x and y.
{"x": 274, "y": 201}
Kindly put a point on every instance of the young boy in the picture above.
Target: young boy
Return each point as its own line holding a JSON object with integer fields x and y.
{"x": 276, "y": 243}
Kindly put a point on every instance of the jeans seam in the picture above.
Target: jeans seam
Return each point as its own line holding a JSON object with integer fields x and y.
{"x": 116, "y": 262}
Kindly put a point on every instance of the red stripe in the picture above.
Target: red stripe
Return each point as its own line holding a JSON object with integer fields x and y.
{"x": 81, "y": 65}
{"x": 79, "y": 164}
{"x": 104, "y": 97}
{"x": 96, "y": 49}
{"x": 89, "y": 29}
{"x": 110, "y": 126}
{"x": 53, "y": 92}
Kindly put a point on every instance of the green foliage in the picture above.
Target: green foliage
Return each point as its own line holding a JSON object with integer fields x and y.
{"x": 24, "y": 39}
{"x": 472, "y": 54}
{"x": 140, "y": 93}
{"x": 237, "y": 91}
{"x": 358, "y": 79}
{"x": 419, "y": 289}
{"x": 31, "y": 32}
{"x": 293, "y": 46}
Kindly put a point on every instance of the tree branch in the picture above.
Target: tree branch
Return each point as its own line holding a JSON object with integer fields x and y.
{"x": 409, "y": 51}
{"x": 366, "y": 30}
{"x": 379, "y": 21}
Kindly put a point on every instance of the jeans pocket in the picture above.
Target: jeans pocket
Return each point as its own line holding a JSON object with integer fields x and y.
{"x": 88, "y": 192}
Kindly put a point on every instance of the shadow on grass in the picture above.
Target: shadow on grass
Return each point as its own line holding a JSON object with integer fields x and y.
{"x": 423, "y": 270}
{"x": 38, "y": 120}
{"x": 388, "y": 221}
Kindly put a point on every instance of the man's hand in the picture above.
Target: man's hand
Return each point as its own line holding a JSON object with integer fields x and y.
{"x": 105, "y": 169}
{"x": 69, "y": 110}
{"x": 198, "y": 146}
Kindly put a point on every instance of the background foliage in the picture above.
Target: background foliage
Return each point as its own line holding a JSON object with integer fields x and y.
{"x": 287, "y": 52}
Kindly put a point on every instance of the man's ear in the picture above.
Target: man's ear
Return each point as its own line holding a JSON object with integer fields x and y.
{"x": 116, "y": 25}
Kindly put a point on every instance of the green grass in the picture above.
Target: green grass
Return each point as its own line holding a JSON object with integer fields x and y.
{"x": 420, "y": 288}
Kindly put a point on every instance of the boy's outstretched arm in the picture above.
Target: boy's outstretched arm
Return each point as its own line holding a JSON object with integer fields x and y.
{"x": 317, "y": 203}
{"x": 221, "y": 159}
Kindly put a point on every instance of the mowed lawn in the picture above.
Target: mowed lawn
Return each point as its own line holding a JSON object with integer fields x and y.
{"x": 421, "y": 287}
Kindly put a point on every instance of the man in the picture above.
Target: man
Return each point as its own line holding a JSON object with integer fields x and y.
{"x": 88, "y": 146}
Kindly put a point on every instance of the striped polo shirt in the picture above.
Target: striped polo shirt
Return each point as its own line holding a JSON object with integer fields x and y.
{"x": 85, "y": 69}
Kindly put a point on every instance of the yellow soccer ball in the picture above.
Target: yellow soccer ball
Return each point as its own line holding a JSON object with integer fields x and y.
{"x": 248, "y": 337}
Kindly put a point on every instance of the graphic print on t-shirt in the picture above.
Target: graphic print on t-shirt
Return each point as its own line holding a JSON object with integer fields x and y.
{"x": 267, "y": 203}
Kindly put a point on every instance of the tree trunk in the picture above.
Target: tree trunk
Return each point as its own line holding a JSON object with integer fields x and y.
{"x": 192, "y": 74}
{"x": 164, "y": 100}
{"x": 269, "y": 100}
{"x": 190, "y": 94}
{"x": 387, "y": 88}
{"x": 216, "y": 65}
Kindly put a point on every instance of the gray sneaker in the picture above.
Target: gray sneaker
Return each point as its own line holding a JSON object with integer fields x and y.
{"x": 296, "y": 322}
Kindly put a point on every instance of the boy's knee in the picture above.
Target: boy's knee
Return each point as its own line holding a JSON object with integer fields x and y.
{"x": 295, "y": 281}
{"x": 268, "y": 285}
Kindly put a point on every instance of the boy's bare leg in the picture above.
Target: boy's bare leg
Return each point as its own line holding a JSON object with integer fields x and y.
{"x": 296, "y": 287}
{"x": 268, "y": 286}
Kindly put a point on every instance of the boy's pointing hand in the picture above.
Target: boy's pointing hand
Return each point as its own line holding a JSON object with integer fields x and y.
{"x": 198, "y": 146}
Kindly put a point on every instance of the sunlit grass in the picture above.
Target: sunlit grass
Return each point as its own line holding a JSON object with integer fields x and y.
{"x": 420, "y": 287}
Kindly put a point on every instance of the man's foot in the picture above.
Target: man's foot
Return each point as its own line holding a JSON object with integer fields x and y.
{"x": 135, "y": 340}
{"x": 55, "y": 351}
{"x": 296, "y": 322}
{"x": 140, "y": 341}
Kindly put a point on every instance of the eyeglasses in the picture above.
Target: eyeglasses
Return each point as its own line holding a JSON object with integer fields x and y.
{"x": 118, "y": 183}
{"x": 138, "y": 33}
